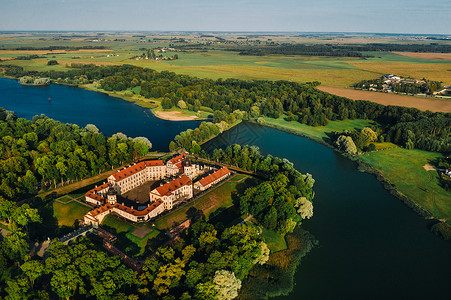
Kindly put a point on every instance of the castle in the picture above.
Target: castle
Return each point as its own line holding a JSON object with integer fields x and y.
{"x": 161, "y": 198}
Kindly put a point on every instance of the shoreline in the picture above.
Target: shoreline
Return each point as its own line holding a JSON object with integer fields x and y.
{"x": 364, "y": 167}
{"x": 169, "y": 115}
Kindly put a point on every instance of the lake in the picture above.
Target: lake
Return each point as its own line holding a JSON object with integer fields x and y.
{"x": 75, "y": 105}
{"x": 372, "y": 246}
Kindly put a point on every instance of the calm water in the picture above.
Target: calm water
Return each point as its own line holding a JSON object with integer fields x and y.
{"x": 372, "y": 246}
{"x": 75, "y": 105}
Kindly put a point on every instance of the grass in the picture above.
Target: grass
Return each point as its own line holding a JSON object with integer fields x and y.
{"x": 404, "y": 169}
{"x": 65, "y": 199}
{"x": 118, "y": 224}
{"x": 217, "y": 198}
{"x": 68, "y": 213}
{"x": 275, "y": 241}
{"x": 123, "y": 226}
{"x": 319, "y": 133}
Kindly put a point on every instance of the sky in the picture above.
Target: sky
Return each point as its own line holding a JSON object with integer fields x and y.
{"x": 381, "y": 16}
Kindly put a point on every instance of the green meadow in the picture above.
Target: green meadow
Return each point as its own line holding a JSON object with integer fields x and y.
{"x": 404, "y": 169}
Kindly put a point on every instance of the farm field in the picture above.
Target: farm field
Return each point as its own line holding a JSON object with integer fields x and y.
{"x": 215, "y": 64}
{"x": 404, "y": 168}
{"x": 434, "y": 105}
{"x": 212, "y": 200}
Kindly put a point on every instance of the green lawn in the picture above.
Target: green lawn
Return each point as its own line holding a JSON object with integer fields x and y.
{"x": 65, "y": 199}
{"x": 220, "y": 197}
{"x": 69, "y": 212}
{"x": 320, "y": 132}
{"x": 123, "y": 226}
{"x": 118, "y": 224}
{"x": 275, "y": 241}
{"x": 404, "y": 169}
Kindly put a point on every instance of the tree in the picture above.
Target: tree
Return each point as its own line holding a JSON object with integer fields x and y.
{"x": 166, "y": 103}
{"x": 264, "y": 257}
{"x": 17, "y": 289}
{"x": 346, "y": 144}
{"x": 206, "y": 290}
{"x": 65, "y": 282}
{"x": 369, "y": 135}
{"x": 52, "y": 62}
{"x": 7, "y": 209}
{"x": 181, "y": 104}
{"x": 270, "y": 219}
{"x": 304, "y": 207}
{"x": 17, "y": 244}
{"x": 226, "y": 285}
{"x": 92, "y": 128}
{"x": 33, "y": 269}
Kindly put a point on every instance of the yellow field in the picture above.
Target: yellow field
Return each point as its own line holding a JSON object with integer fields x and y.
{"x": 339, "y": 77}
{"x": 439, "y": 56}
{"x": 78, "y": 61}
{"x": 434, "y": 105}
{"x": 42, "y": 52}
{"x": 437, "y": 72}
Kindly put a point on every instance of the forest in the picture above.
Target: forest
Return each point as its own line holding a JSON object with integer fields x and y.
{"x": 42, "y": 153}
{"x": 342, "y": 50}
{"x": 207, "y": 262}
{"x": 300, "y": 102}
{"x": 279, "y": 202}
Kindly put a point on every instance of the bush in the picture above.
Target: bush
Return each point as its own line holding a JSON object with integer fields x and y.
{"x": 52, "y": 62}
{"x": 371, "y": 147}
{"x": 166, "y": 103}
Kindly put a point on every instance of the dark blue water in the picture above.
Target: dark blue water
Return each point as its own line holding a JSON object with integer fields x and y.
{"x": 372, "y": 246}
{"x": 75, "y": 105}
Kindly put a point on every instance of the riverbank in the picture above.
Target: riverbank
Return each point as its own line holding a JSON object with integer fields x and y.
{"x": 173, "y": 114}
{"x": 400, "y": 170}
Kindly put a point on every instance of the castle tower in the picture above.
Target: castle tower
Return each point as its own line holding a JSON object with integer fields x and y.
{"x": 111, "y": 196}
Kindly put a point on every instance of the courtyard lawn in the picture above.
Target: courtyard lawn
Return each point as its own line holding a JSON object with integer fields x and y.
{"x": 216, "y": 198}
{"x": 404, "y": 169}
{"x": 133, "y": 232}
{"x": 275, "y": 241}
{"x": 118, "y": 224}
{"x": 65, "y": 199}
{"x": 68, "y": 213}
{"x": 318, "y": 133}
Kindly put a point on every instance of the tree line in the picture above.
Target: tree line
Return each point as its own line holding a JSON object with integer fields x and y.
{"x": 42, "y": 153}
{"x": 342, "y": 50}
{"x": 300, "y": 102}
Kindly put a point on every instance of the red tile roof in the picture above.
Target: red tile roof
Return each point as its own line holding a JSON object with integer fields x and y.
{"x": 177, "y": 159}
{"x": 101, "y": 209}
{"x": 126, "y": 209}
{"x": 168, "y": 188}
{"x": 214, "y": 176}
{"x": 136, "y": 168}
